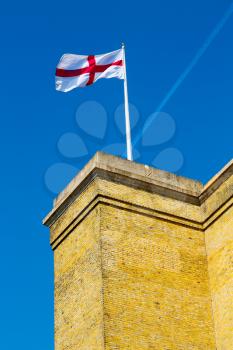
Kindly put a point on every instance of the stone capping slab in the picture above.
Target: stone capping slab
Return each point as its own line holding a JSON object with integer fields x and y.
{"x": 139, "y": 176}
{"x": 133, "y": 170}
{"x": 215, "y": 182}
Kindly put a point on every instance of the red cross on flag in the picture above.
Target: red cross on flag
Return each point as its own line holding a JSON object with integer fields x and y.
{"x": 79, "y": 71}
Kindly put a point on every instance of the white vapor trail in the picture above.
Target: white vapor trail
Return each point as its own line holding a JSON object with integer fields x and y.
{"x": 187, "y": 70}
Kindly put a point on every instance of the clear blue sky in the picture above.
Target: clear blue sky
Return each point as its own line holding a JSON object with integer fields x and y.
{"x": 161, "y": 38}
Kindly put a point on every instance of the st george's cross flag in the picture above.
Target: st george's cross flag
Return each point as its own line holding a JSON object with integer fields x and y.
{"x": 78, "y": 71}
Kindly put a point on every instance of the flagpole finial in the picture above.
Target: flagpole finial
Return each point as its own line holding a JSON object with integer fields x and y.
{"x": 123, "y": 45}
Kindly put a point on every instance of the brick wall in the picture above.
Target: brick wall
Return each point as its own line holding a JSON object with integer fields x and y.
{"x": 143, "y": 260}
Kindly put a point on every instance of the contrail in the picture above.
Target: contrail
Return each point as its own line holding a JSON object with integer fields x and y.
{"x": 188, "y": 69}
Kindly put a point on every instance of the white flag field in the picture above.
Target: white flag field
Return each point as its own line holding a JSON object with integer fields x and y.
{"x": 78, "y": 71}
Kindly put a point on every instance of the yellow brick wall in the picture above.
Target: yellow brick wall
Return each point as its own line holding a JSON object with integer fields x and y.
{"x": 143, "y": 259}
{"x": 136, "y": 270}
{"x": 78, "y": 288}
{"x": 219, "y": 243}
{"x": 156, "y": 293}
{"x": 128, "y": 278}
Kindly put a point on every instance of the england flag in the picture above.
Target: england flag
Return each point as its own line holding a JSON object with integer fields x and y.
{"x": 78, "y": 71}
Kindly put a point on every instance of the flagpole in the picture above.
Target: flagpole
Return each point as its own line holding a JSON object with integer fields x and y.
{"x": 127, "y": 119}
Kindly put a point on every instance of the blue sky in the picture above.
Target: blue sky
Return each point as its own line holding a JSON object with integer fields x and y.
{"x": 161, "y": 38}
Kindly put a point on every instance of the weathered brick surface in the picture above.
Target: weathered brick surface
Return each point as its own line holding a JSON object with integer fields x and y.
{"x": 219, "y": 243}
{"x": 146, "y": 265}
{"x": 78, "y": 288}
{"x": 156, "y": 293}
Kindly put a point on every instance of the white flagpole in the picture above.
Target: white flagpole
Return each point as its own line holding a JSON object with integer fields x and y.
{"x": 127, "y": 120}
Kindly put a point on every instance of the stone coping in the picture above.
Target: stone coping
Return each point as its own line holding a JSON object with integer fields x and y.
{"x": 139, "y": 176}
